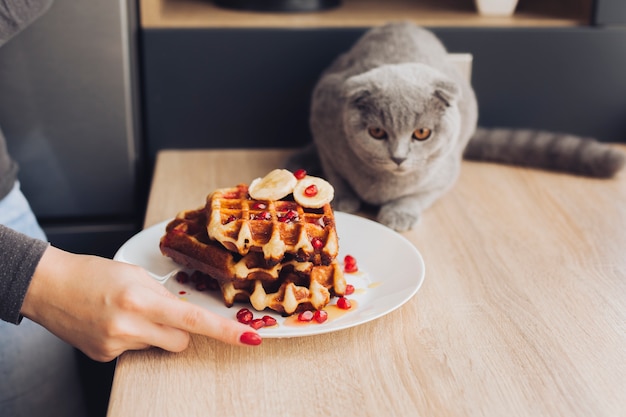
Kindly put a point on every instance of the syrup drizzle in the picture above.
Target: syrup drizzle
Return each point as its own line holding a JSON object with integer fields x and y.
{"x": 333, "y": 311}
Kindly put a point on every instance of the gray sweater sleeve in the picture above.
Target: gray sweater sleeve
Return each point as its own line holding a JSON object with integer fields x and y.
{"x": 19, "y": 256}
{"x": 15, "y": 15}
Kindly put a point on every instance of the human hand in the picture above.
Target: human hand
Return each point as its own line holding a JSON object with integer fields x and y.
{"x": 104, "y": 307}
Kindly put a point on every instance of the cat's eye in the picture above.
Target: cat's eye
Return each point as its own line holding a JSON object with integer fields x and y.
{"x": 377, "y": 133}
{"x": 422, "y": 133}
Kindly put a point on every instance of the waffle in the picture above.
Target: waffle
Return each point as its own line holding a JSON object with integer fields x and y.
{"x": 274, "y": 228}
{"x": 288, "y": 286}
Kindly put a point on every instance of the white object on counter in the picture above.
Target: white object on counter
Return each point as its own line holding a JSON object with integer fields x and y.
{"x": 496, "y": 7}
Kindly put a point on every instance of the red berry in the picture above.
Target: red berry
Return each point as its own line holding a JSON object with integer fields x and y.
{"x": 182, "y": 277}
{"x": 264, "y": 215}
{"x": 349, "y": 264}
{"x": 244, "y": 316}
{"x": 343, "y": 303}
{"x": 349, "y": 289}
{"x": 311, "y": 190}
{"x": 288, "y": 217}
{"x": 300, "y": 173}
{"x": 258, "y": 205}
{"x": 317, "y": 243}
{"x": 320, "y": 316}
{"x": 257, "y": 324}
{"x": 268, "y": 320}
{"x": 305, "y": 316}
{"x": 230, "y": 219}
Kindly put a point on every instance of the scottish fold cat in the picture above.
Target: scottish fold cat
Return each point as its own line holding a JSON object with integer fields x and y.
{"x": 392, "y": 118}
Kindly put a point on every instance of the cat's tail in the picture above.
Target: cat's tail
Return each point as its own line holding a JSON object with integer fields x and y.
{"x": 545, "y": 150}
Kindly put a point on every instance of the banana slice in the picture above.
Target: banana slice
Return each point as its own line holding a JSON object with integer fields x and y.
{"x": 313, "y": 192}
{"x": 274, "y": 186}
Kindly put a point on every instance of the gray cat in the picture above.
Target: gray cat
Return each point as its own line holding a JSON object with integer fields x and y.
{"x": 392, "y": 119}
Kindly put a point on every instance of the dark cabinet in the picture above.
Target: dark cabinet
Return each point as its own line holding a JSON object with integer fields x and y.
{"x": 216, "y": 78}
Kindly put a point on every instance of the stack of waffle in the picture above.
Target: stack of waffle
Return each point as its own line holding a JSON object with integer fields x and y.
{"x": 273, "y": 254}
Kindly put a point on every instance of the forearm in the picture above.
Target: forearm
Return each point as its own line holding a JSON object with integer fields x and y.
{"x": 19, "y": 258}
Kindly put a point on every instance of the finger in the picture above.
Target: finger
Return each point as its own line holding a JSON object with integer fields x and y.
{"x": 195, "y": 319}
{"x": 169, "y": 310}
{"x": 166, "y": 337}
{"x": 138, "y": 333}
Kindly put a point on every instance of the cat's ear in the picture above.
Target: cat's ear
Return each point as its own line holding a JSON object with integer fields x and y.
{"x": 356, "y": 91}
{"x": 447, "y": 91}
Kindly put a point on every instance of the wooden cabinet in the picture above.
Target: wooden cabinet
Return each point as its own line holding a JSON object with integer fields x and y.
{"x": 221, "y": 78}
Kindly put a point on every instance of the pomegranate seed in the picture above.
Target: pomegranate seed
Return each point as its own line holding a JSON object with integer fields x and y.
{"x": 350, "y": 264}
{"x": 300, "y": 173}
{"x": 264, "y": 215}
{"x": 289, "y": 216}
{"x": 257, "y": 324}
{"x": 258, "y": 205}
{"x": 305, "y": 316}
{"x": 201, "y": 286}
{"x": 349, "y": 289}
{"x": 320, "y": 316}
{"x": 182, "y": 277}
{"x": 343, "y": 303}
{"x": 311, "y": 190}
{"x": 349, "y": 259}
{"x": 230, "y": 219}
{"x": 244, "y": 316}
{"x": 268, "y": 320}
{"x": 317, "y": 243}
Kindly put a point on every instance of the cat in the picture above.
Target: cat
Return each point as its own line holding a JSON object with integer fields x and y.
{"x": 392, "y": 118}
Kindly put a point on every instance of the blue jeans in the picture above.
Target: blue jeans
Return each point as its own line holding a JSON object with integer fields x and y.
{"x": 38, "y": 371}
{"x": 15, "y": 212}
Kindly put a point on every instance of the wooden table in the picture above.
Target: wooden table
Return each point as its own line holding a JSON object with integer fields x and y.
{"x": 522, "y": 312}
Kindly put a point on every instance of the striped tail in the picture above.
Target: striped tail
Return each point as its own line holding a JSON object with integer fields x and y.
{"x": 546, "y": 150}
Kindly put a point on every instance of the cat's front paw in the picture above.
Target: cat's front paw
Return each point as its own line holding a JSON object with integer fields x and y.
{"x": 347, "y": 204}
{"x": 398, "y": 218}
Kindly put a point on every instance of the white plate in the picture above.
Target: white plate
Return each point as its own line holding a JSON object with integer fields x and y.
{"x": 391, "y": 271}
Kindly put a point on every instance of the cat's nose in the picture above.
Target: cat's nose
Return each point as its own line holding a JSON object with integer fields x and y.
{"x": 398, "y": 159}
